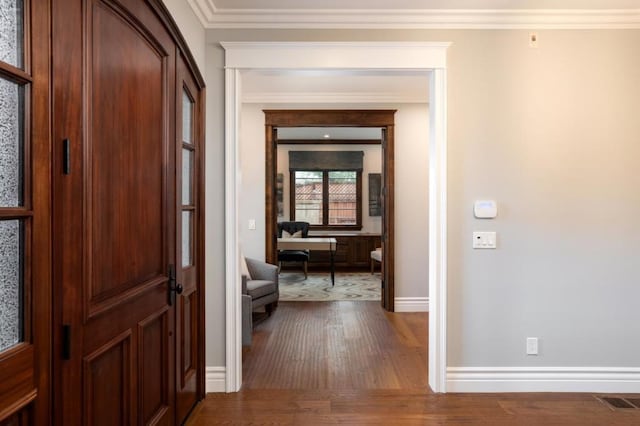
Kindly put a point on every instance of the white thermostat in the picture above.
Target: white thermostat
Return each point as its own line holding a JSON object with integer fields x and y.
{"x": 485, "y": 209}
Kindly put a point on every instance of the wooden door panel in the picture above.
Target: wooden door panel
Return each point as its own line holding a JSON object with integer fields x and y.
{"x": 189, "y": 311}
{"x": 116, "y": 222}
{"x": 108, "y": 383}
{"x": 127, "y": 186}
{"x": 114, "y": 211}
{"x": 17, "y": 381}
{"x": 153, "y": 367}
{"x": 19, "y": 419}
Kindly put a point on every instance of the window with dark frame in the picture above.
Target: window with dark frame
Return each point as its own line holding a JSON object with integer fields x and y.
{"x": 327, "y": 199}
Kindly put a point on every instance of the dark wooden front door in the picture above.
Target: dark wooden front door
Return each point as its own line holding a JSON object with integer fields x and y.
{"x": 115, "y": 221}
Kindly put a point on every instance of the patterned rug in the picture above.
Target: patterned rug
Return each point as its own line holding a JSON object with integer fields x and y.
{"x": 349, "y": 286}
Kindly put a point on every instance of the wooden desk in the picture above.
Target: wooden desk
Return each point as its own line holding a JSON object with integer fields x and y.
{"x": 312, "y": 243}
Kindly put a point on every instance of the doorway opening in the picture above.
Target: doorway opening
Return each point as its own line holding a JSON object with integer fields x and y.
{"x": 330, "y": 178}
{"x": 382, "y": 119}
{"x": 429, "y": 58}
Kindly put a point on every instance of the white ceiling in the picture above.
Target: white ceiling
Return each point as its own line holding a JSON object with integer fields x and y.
{"x": 419, "y": 14}
{"x": 426, "y": 4}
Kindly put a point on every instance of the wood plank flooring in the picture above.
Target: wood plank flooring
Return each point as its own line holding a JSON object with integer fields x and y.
{"x": 352, "y": 363}
{"x": 337, "y": 345}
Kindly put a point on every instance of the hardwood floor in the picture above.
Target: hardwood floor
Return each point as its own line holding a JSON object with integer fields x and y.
{"x": 352, "y": 363}
{"x": 341, "y": 345}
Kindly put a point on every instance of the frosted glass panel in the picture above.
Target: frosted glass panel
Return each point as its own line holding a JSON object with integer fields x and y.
{"x": 11, "y": 135}
{"x": 187, "y": 167}
{"x": 10, "y": 283}
{"x": 11, "y": 32}
{"x": 186, "y": 238}
{"x": 187, "y": 113}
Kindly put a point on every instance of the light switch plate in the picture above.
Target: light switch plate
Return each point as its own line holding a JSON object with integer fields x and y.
{"x": 484, "y": 240}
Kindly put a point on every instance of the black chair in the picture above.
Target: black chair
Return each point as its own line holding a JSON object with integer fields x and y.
{"x": 294, "y": 255}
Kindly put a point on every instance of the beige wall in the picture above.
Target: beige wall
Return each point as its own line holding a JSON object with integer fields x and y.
{"x": 551, "y": 134}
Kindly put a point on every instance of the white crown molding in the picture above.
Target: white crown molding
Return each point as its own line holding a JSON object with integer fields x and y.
{"x": 333, "y": 98}
{"x": 204, "y": 10}
{"x": 543, "y": 379}
{"x": 214, "y": 18}
{"x": 215, "y": 379}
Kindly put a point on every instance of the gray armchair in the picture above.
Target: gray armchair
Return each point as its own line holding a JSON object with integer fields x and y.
{"x": 259, "y": 289}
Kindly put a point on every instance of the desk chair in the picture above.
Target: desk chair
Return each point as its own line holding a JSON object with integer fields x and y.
{"x": 295, "y": 230}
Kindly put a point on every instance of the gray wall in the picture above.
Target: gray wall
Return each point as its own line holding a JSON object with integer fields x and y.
{"x": 215, "y": 215}
{"x": 191, "y": 29}
{"x": 551, "y": 134}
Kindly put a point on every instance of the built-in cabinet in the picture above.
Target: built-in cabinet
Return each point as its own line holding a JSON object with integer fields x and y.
{"x": 353, "y": 252}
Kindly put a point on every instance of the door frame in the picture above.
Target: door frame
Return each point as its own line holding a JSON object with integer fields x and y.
{"x": 335, "y": 118}
{"x": 428, "y": 57}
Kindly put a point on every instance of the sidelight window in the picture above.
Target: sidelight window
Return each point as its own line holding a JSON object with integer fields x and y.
{"x": 14, "y": 211}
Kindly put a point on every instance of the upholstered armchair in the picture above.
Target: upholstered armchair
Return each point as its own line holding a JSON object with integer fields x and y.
{"x": 294, "y": 230}
{"x": 376, "y": 256}
{"x": 259, "y": 288}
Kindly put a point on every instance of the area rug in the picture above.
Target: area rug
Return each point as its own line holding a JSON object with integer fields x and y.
{"x": 317, "y": 287}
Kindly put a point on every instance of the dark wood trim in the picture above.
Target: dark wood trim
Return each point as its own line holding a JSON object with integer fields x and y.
{"x": 15, "y": 213}
{"x": 271, "y": 230}
{"x": 292, "y": 196}
{"x": 192, "y": 276}
{"x": 16, "y": 408}
{"x": 25, "y": 368}
{"x": 330, "y": 118}
{"x": 329, "y": 141}
{"x": 325, "y": 198}
{"x": 388, "y": 219}
{"x": 200, "y": 173}
{"x": 41, "y": 189}
{"x": 358, "y": 200}
{"x": 16, "y": 75}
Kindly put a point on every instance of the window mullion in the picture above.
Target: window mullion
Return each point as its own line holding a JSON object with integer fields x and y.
{"x": 292, "y": 195}
{"x": 325, "y": 198}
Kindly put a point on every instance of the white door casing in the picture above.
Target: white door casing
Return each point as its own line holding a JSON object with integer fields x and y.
{"x": 390, "y": 56}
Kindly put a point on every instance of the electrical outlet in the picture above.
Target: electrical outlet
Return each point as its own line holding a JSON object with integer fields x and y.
{"x": 532, "y": 346}
{"x": 252, "y": 224}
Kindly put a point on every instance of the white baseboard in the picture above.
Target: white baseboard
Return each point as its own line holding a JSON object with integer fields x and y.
{"x": 411, "y": 304}
{"x": 216, "y": 379}
{"x": 543, "y": 379}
